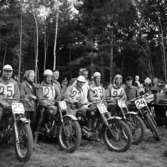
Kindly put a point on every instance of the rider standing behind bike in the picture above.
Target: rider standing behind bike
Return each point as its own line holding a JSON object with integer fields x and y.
{"x": 28, "y": 95}
{"x": 48, "y": 94}
{"x": 9, "y": 88}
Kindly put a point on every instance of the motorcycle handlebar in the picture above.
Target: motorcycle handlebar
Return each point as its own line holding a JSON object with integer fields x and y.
{"x": 142, "y": 96}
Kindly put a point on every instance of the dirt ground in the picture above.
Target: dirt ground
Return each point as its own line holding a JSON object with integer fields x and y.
{"x": 147, "y": 154}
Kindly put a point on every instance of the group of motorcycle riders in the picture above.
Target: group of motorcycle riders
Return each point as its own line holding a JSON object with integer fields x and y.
{"x": 37, "y": 98}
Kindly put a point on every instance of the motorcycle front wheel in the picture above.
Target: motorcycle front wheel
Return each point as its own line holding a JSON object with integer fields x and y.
{"x": 117, "y": 136}
{"x": 69, "y": 135}
{"x": 137, "y": 128}
{"x": 23, "y": 141}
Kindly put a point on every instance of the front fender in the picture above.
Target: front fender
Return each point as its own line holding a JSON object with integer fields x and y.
{"x": 131, "y": 113}
{"x": 115, "y": 117}
{"x": 70, "y": 116}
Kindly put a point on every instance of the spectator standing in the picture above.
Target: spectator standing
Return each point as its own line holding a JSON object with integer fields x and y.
{"x": 130, "y": 90}
{"x": 56, "y": 76}
{"x": 64, "y": 86}
{"x": 147, "y": 84}
{"x": 28, "y": 94}
{"x": 155, "y": 87}
{"x": 137, "y": 82}
{"x": 85, "y": 87}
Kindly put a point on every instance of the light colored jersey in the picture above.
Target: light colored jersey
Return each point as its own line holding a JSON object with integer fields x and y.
{"x": 96, "y": 93}
{"x": 48, "y": 92}
{"x": 9, "y": 89}
{"x": 85, "y": 89}
{"x": 74, "y": 95}
{"x": 117, "y": 92}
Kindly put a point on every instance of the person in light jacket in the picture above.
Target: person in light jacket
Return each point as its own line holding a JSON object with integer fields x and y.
{"x": 28, "y": 96}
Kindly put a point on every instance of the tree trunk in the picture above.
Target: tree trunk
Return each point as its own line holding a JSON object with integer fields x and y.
{"x": 163, "y": 49}
{"x": 21, "y": 38}
{"x": 45, "y": 49}
{"x": 55, "y": 41}
{"x": 37, "y": 39}
{"x": 4, "y": 56}
{"x": 111, "y": 55}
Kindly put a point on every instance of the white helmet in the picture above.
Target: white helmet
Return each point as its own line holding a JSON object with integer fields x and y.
{"x": 48, "y": 72}
{"x": 7, "y": 67}
{"x": 96, "y": 74}
{"x": 118, "y": 76}
{"x": 147, "y": 81}
{"x": 81, "y": 79}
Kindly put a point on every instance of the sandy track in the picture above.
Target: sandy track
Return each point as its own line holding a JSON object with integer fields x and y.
{"x": 147, "y": 154}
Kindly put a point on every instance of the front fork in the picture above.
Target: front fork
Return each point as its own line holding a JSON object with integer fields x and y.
{"x": 105, "y": 118}
{"x": 16, "y": 133}
{"x": 15, "y": 121}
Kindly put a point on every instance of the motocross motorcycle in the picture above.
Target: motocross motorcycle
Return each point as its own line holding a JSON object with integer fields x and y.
{"x": 132, "y": 119}
{"x": 146, "y": 112}
{"x": 14, "y": 123}
{"x": 63, "y": 126}
{"x": 115, "y": 132}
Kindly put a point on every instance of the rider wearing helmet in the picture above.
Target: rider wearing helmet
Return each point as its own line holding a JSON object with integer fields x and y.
{"x": 47, "y": 95}
{"x": 96, "y": 90}
{"x": 74, "y": 93}
{"x": 8, "y": 88}
{"x": 75, "y": 96}
{"x": 116, "y": 90}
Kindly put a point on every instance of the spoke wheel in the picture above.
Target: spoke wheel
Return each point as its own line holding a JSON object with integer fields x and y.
{"x": 117, "y": 136}
{"x": 137, "y": 128}
{"x": 69, "y": 135}
{"x": 23, "y": 142}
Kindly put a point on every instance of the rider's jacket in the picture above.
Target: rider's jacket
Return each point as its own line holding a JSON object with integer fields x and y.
{"x": 96, "y": 93}
{"x": 9, "y": 89}
{"x": 48, "y": 93}
{"x": 117, "y": 92}
{"x": 27, "y": 90}
{"x": 74, "y": 94}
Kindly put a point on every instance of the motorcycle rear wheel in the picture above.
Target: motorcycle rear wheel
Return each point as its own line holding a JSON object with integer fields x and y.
{"x": 69, "y": 135}
{"x": 120, "y": 133}
{"x": 24, "y": 154}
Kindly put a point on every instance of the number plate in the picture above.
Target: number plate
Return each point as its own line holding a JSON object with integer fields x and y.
{"x": 62, "y": 105}
{"x": 18, "y": 108}
{"x": 102, "y": 108}
{"x": 140, "y": 103}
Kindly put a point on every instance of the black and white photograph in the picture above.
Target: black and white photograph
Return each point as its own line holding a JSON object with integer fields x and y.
{"x": 83, "y": 83}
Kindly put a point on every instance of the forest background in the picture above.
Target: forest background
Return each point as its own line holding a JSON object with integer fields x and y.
{"x": 111, "y": 36}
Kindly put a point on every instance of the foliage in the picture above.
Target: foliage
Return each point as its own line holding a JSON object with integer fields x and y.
{"x": 130, "y": 32}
